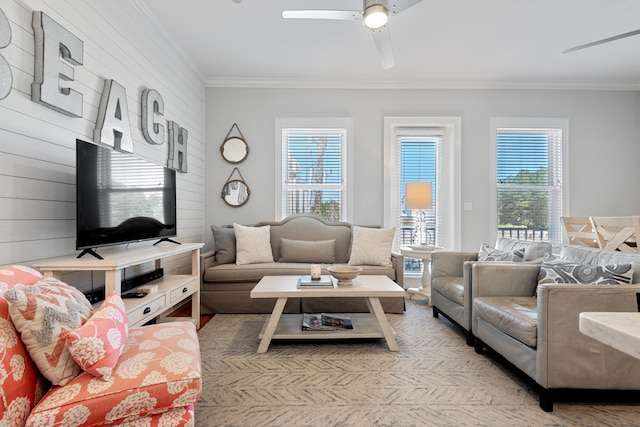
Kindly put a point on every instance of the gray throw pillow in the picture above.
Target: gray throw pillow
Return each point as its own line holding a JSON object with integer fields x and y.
{"x": 320, "y": 252}
{"x": 224, "y": 240}
{"x": 487, "y": 253}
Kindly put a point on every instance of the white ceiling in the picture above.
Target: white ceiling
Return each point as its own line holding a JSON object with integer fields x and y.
{"x": 437, "y": 43}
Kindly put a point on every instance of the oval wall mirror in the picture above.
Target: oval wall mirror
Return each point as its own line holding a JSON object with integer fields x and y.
{"x": 235, "y": 192}
{"x": 234, "y": 149}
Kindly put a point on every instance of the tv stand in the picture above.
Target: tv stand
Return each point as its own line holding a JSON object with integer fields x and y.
{"x": 173, "y": 289}
{"x": 89, "y": 251}
{"x": 166, "y": 239}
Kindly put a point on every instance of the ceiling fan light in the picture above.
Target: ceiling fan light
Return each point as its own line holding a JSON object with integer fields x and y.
{"x": 375, "y": 16}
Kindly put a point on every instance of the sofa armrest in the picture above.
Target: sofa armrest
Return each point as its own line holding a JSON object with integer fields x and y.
{"x": 397, "y": 259}
{"x": 207, "y": 260}
{"x": 491, "y": 279}
{"x": 569, "y": 359}
{"x": 449, "y": 263}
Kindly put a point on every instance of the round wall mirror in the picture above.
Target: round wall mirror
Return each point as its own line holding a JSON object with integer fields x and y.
{"x": 235, "y": 192}
{"x": 234, "y": 149}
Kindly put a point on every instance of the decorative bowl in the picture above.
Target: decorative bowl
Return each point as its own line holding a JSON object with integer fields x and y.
{"x": 344, "y": 274}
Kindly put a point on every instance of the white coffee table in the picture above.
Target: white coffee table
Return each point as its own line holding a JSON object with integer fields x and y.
{"x": 365, "y": 325}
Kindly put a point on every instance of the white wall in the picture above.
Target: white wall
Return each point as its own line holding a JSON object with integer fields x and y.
{"x": 37, "y": 144}
{"x": 604, "y": 146}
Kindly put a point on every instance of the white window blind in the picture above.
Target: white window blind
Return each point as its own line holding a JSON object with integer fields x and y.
{"x": 529, "y": 183}
{"x": 314, "y": 172}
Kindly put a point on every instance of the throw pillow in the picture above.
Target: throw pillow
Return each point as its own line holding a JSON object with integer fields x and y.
{"x": 17, "y": 275}
{"x": 323, "y": 251}
{"x": 371, "y": 246}
{"x": 253, "y": 244}
{"x": 224, "y": 239}
{"x": 44, "y": 313}
{"x": 556, "y": 270}
{"x": 97, "y": 345}
{"x": 487, "y": 253}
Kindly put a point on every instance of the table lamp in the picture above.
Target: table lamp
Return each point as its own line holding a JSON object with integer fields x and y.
{"x": 417, "y": 196}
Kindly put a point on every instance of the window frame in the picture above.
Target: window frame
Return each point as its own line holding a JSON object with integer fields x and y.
{"x": 555, "y": 230}
{"x": 343, "y": 123}
{"x": 450, "y": 188}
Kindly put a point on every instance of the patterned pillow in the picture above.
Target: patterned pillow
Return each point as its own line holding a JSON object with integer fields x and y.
{"x": 21, "y": 383}
{"x": 487, "y": 253}
{"x": 371, "y": 246}
{"x": 44, "y": 313}
{"x": 556, "y": 270}
{"x": 16, "y": 275}
{"x": 97, "y": 345}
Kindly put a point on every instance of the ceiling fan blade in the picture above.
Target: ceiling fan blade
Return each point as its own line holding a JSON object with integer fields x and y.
{"x": 607, "y": 40}
{"x": 382, "y": 40}
{"x": 396, "y": 6}
{"x": 340, "y": 15}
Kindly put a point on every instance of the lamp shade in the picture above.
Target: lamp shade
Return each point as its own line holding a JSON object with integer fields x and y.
{"x": 417, "y": 195}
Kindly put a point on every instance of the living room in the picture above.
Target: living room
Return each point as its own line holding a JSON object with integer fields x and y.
{"x": 123, "y": 42}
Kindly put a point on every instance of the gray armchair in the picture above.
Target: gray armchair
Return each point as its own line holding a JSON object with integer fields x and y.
{"x": 451, "y": 292}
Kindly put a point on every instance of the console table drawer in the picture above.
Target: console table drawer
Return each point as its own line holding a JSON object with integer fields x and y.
{"x": 148, "y": 310}
{"x": 183, "y": 291}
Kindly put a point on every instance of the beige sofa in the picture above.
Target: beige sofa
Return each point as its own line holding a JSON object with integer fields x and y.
{"x": 535, "y": 326}
{"x": 226, "y": 285}
{"x": 451, "y": 278}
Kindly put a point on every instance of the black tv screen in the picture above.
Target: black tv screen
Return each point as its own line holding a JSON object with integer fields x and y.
{"x": 121, "y": 198}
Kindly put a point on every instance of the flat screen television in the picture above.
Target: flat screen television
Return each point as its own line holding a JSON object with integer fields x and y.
{"x": 121, "y": 199}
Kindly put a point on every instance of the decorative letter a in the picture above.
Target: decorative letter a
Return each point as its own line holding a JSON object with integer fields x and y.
{"x": 112, "y": 124}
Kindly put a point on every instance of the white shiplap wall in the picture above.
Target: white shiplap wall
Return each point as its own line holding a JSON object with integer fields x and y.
{"x": 37, "y": 144}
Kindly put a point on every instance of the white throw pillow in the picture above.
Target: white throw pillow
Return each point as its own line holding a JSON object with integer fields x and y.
{"x": 253, "y": 244}
{"x": 371, "y": 246}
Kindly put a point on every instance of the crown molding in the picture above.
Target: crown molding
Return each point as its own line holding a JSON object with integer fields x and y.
{"x": 297, "y": 83}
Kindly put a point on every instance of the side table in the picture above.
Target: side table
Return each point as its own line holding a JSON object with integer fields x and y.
{"x": 423, "y": 253}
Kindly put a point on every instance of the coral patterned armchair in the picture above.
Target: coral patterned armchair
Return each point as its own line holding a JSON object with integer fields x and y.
{"x": 62, "y": 364}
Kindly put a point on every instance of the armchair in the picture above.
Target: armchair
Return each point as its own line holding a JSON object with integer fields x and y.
{"x": 451, "y": 273}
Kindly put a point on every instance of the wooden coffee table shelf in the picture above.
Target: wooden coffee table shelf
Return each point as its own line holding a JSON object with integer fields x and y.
{"x": 365, "y": 325}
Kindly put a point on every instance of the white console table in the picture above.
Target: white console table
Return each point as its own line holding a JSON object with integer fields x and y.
{"x": 620, "y": 330}
{"x": 172, "y": 288}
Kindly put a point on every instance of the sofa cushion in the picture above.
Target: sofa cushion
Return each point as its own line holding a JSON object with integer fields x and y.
{"x": 44, "y": 313}
{"x": 450, "y": 287}
{"x": 253, "y": 244}
{"x": 158, "y": 369}
{"x": 515, "y": 316}
{"x": 97, "y": 345}
{"x": 556, "y": 270}
{"x": 371, "y": 246}
{"x": 322, "y": 252}
{"x": 224, "y": 240}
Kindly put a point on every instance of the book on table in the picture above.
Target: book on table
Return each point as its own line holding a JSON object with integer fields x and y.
{"x": 325, "y": 322}
{"x": 323, "y": 282}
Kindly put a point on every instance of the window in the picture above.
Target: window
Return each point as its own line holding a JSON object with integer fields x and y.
{"x": 311, "y": 167}
{"x": 423, "y": 149}
{"x": 529, "y": 180}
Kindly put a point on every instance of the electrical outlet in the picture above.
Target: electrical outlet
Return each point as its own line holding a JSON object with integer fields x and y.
{"x": 468, "y": 206}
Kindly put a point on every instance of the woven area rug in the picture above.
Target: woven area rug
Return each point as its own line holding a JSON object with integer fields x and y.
{"x": 435, "y": 379}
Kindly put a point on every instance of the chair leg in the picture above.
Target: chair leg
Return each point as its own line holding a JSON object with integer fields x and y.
{"x": 546, "y": 399}
{"x": 478, "y": 346}
{"x": 471, "y": 340}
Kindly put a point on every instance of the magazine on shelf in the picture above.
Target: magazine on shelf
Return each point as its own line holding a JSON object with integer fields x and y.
{"x": 323, "y": 282}
{"x": 325, "y": 322}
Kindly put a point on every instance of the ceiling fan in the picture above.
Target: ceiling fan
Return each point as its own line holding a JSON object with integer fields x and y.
{"x": 607, "y": 40}
{"x": 375, "y": 15}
